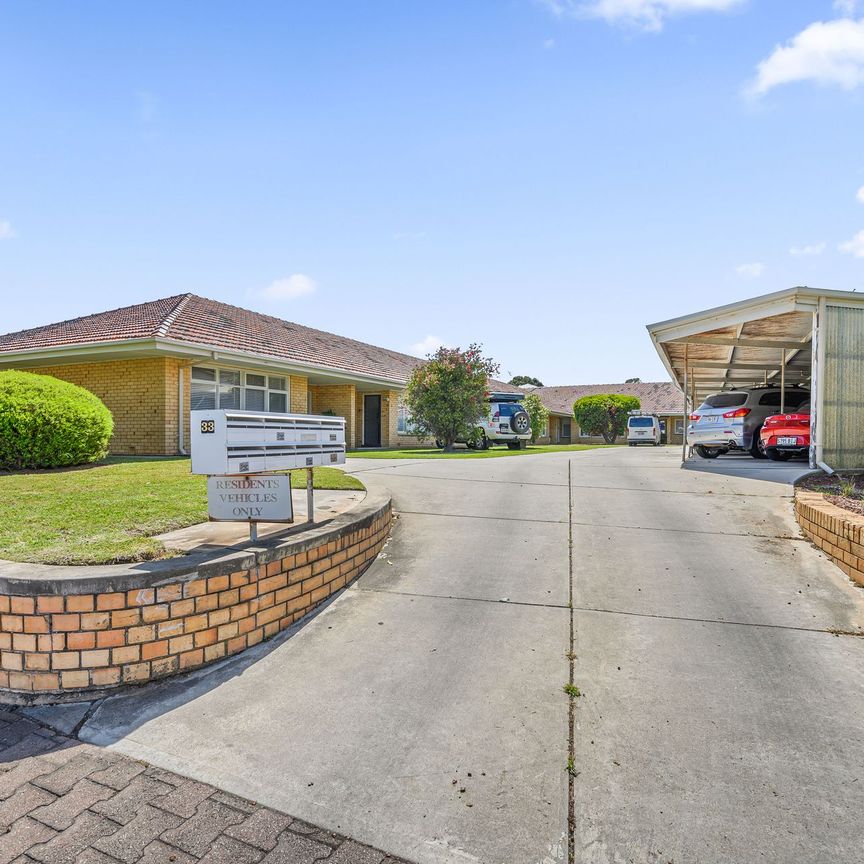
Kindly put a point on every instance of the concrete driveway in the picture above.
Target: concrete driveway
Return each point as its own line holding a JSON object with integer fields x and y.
{"x": 422, "y": 711}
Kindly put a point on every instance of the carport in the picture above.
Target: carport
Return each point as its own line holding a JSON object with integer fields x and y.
{"x": 801, "y": 336}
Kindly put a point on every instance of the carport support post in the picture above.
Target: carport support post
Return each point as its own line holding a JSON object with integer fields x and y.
{"x": 310, "y": 504}
{"x": 782, "y": 380}
{"x": 684, "y": 436}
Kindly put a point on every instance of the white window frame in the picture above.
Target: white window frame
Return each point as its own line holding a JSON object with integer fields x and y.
{"x": 267, "y": 390}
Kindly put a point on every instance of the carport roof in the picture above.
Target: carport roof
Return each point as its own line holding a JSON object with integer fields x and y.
{"x": 745, "y": 343}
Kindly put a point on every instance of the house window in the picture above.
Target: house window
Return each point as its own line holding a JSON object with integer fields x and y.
{"x": 584, "y": 434}
{"x": 544, "y": 429}
{"x": 679, "y": 427}
{"x": 203, "y": 395}
{"x": 231, "y": 388}
{"x": 404, "y": 426}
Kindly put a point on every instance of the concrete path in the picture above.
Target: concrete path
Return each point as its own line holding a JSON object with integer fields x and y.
{"x": 422, "y": 712}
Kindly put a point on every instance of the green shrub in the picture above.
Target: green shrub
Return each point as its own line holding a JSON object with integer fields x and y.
{"x": 48, "y": 423}
{"x": 604, "y": 414}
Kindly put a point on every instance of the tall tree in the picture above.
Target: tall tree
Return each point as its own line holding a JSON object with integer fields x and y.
{"x": 604, "y": 414}
{"x": 447, "y": 395}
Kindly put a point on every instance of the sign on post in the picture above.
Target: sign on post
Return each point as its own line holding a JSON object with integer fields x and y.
{"x": 255, "y": 498}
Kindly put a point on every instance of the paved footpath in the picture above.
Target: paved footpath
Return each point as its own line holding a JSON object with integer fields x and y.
{"x": 65, "y": 802}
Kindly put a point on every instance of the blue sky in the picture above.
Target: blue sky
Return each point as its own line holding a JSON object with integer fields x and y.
{"x": 541, "y": 176}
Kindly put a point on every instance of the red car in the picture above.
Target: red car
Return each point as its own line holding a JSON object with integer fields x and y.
{"x": 785, "y": 435}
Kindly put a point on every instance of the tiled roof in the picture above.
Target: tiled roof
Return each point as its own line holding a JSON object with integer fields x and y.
{"x": 658, "y": 397}
{"x": 197, "y": 320}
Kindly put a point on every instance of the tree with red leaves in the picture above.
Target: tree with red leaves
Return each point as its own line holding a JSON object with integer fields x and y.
{"x": 447, "y": 395}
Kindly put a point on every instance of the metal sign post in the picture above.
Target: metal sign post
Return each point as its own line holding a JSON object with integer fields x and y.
{"x": 310, "y": 504}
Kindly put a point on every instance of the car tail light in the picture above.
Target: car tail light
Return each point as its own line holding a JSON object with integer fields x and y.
{"x": 694, "y": 416}
{"x": 738, "y": 412}
{"x": 496, "y": 415}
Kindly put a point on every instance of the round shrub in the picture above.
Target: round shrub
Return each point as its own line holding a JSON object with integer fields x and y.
{"x": 48, "y": 423}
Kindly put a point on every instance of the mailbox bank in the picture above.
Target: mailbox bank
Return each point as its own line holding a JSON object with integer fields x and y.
{"x": 231, "y": 447}
{"x": 243, "y": 442}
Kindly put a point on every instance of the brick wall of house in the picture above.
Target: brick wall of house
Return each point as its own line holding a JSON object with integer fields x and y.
{"x": 141, "y": 395}
{"x": 341, "y": 399}
{"x": 299, "y": 395}
{"x": 65, "y": 641}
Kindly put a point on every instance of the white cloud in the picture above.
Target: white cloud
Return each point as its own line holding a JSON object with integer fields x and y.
{"x": 750, "y": 271}
{"x": 7, "y": 232}
{"x": 548, "y": 44}
{"x": 860, "y": 194}
{"x": 289, "y": 288}
{"x": 846, "y": 7}
{"x": 647, "y": 14}
{"x": 428, "y": 345}
{"x": 827, "y": 52}
{"x": 855, "y": 246}
{"x": 805, "y": 251}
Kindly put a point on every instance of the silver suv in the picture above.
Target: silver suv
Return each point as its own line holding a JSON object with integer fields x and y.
{"x": 732, "y": 420}
{"x": 507, "y": 422}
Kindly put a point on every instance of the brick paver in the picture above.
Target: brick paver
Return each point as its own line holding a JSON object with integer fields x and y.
{"x": 64, "y": 802}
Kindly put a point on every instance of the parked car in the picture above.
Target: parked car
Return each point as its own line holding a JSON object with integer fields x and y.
{"x": 643, "y": 429}
{"x": 507, "y": 423}
{"x": 732, "y": 420}
{"x": 785, "y": 435}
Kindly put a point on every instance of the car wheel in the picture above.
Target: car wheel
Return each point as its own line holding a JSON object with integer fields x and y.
{"x": 776, "y": 455}
{"x": 482, "y": 442}
{"x": 513, "y": 445}
{"x": 757, "y": 451}
{"x": 438, "y": 444}
{"x": 707, "y": 452}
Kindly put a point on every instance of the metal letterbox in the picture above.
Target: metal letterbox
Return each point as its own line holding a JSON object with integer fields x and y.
{"x": 245, "y": 442}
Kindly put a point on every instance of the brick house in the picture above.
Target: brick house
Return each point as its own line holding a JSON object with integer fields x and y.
{"x": 662, "y": 398}
{"x": 154, "y": 362}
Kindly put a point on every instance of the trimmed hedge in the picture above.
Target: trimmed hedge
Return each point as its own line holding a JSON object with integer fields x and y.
{"x": 48, "y": 423}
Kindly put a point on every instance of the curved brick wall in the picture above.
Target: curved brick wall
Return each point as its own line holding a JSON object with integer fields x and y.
{"x": 70, "y": 630}
{"x": 837, "y": 532}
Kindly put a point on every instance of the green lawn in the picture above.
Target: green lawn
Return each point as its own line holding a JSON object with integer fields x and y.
{"x": 107, "y": 513}
{"x": 465, "y": 453}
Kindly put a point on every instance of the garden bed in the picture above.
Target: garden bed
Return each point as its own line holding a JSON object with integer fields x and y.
{"x": 842, "y": 490}
{"x": 108, "y": 513}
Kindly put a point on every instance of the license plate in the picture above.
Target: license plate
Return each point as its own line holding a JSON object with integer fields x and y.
{"x": 787, "y": 442}
{"x": 711, "y": 419}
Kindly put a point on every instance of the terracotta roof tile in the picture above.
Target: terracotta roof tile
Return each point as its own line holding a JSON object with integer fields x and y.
{"x": 197, "y": 320}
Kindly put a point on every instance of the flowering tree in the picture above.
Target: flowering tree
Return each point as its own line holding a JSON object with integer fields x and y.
{"x": 538, "y": 413}
{"x": 604, "y": 414}
{"x": 447, "y": 395}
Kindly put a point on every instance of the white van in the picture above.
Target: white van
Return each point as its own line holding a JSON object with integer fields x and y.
{"x": 643, "y": 429}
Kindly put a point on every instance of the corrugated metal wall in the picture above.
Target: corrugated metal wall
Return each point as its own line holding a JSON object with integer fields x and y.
{"x": 843, "y": 378}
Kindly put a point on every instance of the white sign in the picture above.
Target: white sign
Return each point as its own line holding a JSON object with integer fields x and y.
{"x": 256, "y": 498}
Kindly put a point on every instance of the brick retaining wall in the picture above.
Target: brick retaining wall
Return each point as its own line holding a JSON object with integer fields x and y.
{"x": 837, "y": 532}
{"x": 67, "y": 630}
